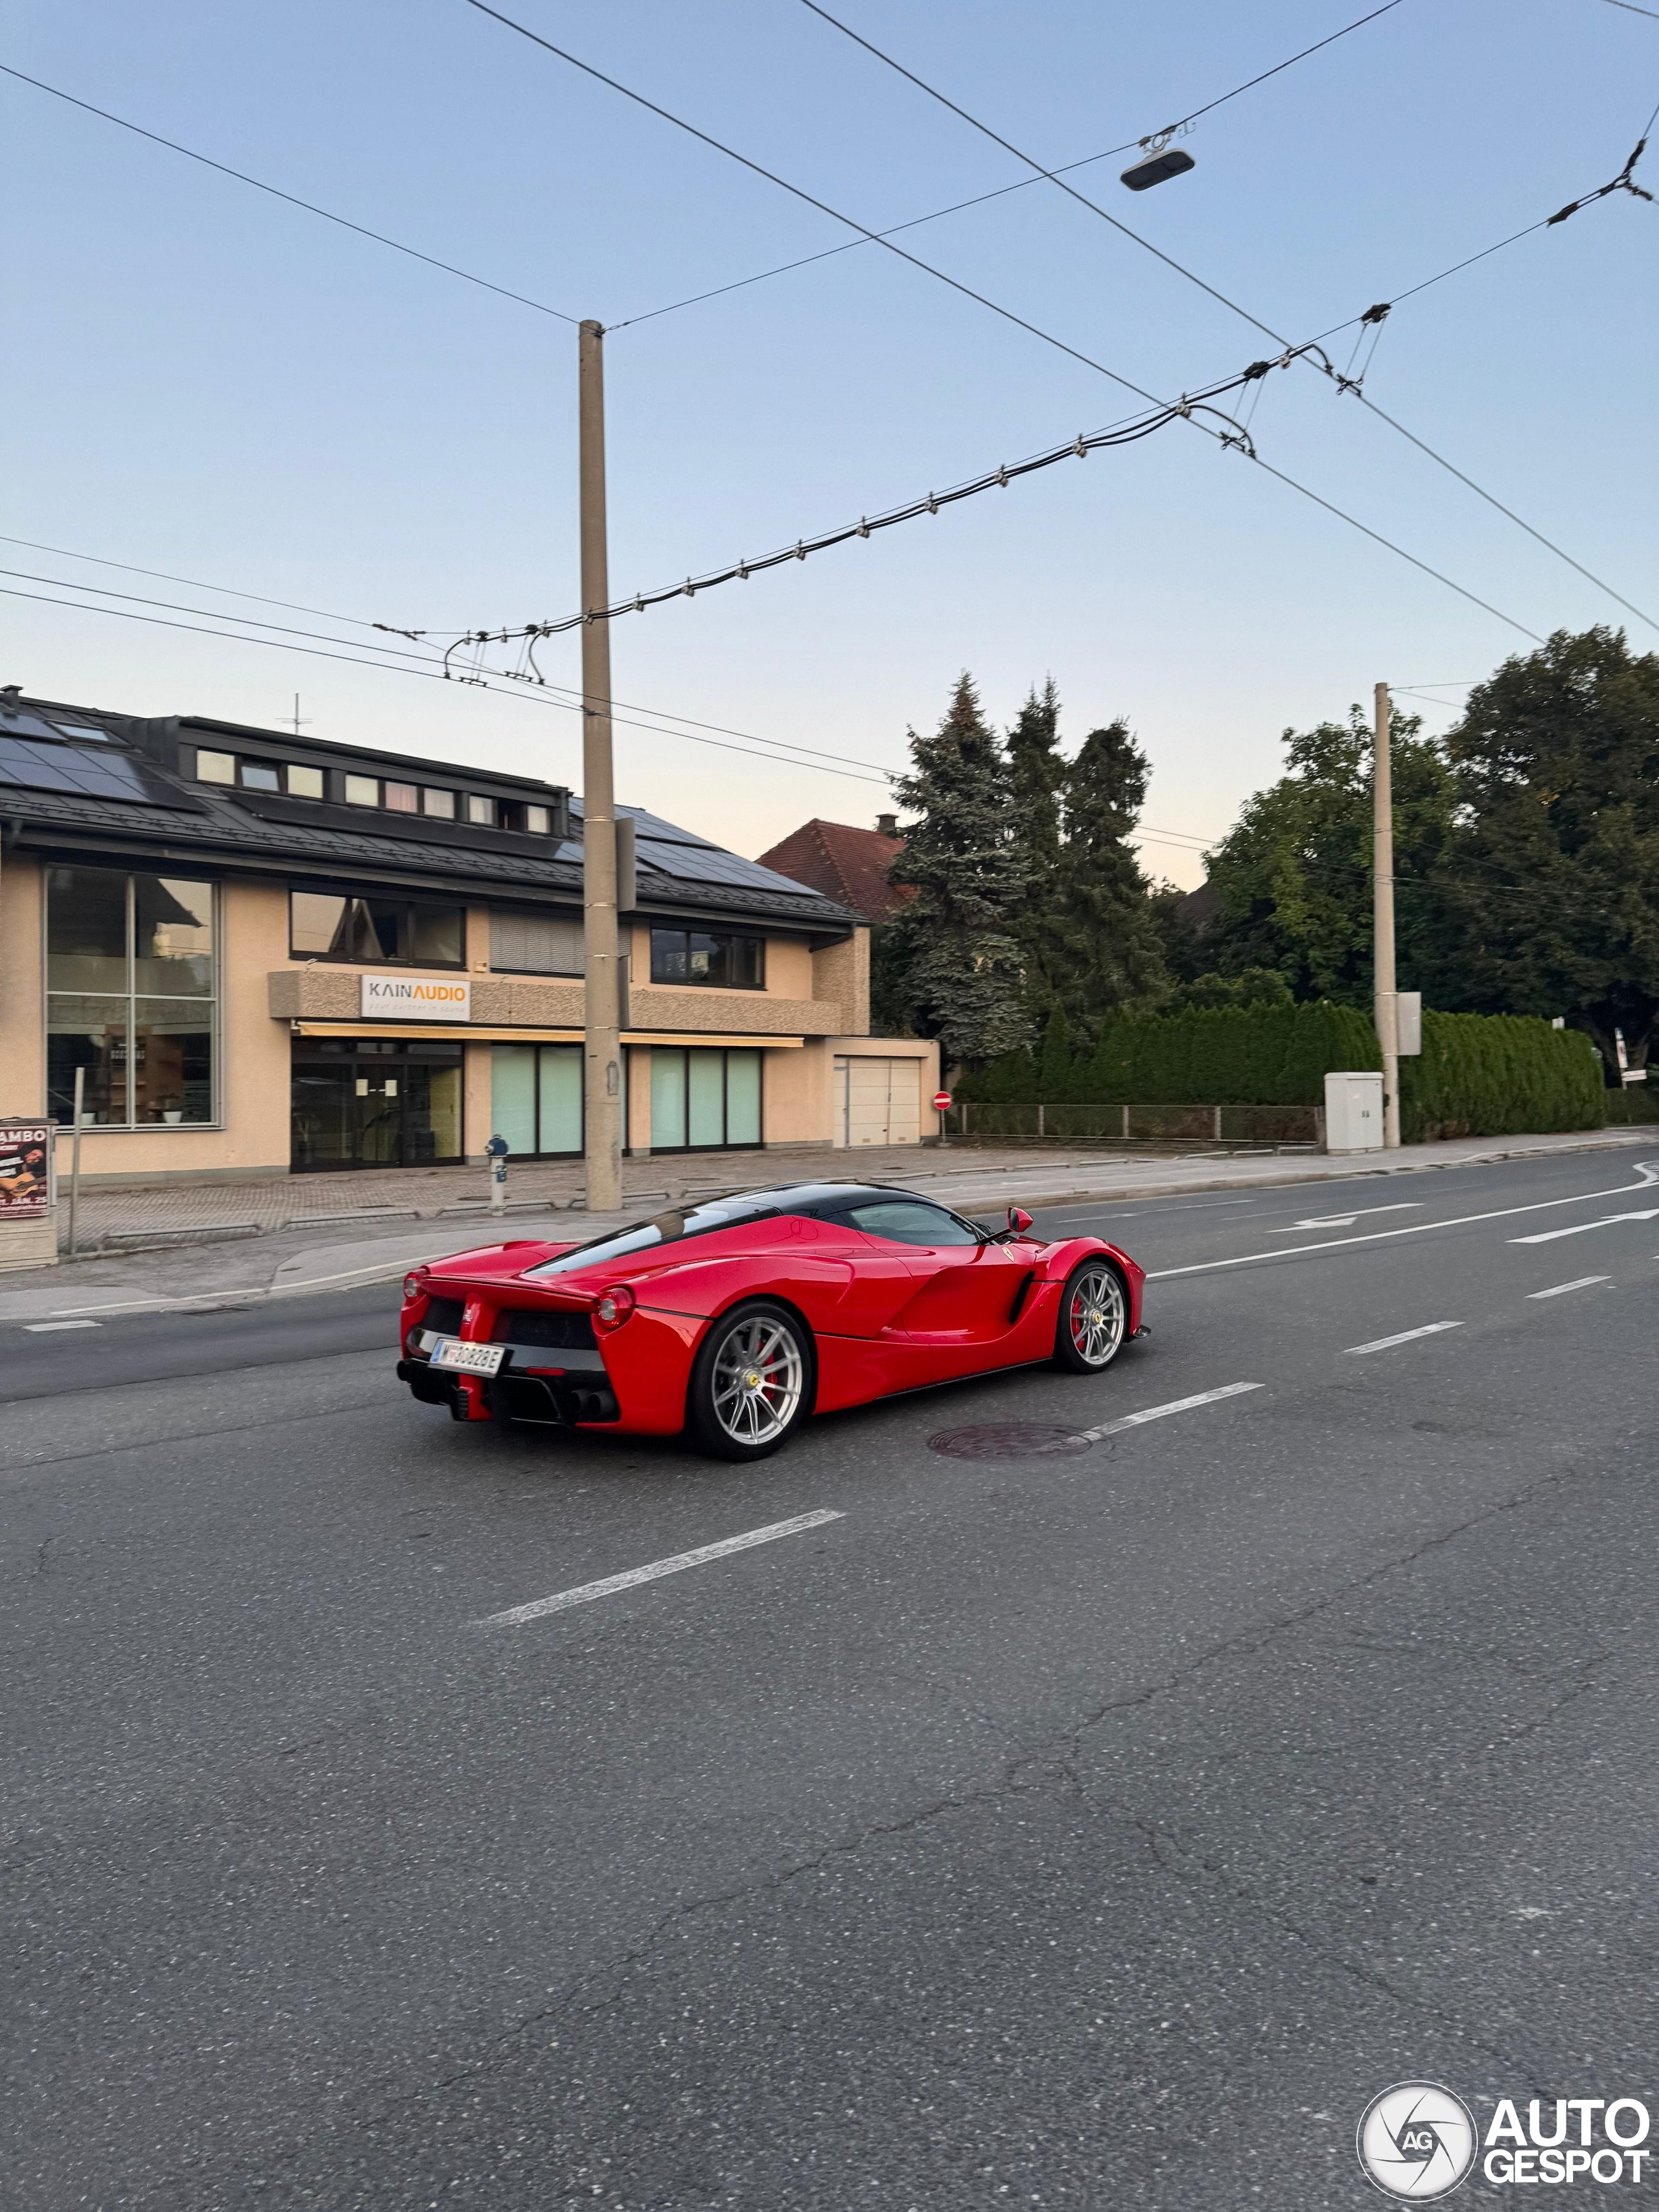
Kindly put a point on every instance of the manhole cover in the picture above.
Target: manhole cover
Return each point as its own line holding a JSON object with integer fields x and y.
{"x": 1008, "y": 1440}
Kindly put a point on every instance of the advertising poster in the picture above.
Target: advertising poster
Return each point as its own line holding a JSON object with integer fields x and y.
{"x": 25, "y": 1170}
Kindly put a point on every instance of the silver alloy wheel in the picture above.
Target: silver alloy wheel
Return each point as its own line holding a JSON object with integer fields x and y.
{"x": 758, "y": 1377}
{"x": 1094, "y": 1314}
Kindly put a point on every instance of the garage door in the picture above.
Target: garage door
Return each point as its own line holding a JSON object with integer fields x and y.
{"x": 877, "y": 1102}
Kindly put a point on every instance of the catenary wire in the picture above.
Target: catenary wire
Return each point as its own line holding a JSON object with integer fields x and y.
{"x": 433, "y": 653}
{"x": 292, "y": 198}
{"x": 1006, "y": 313}
{"x": 1020, "y": 184}
{"x": 1180, "y": 839}
{"x": 503, "y": 688}
{"x": 1344, "y": 383}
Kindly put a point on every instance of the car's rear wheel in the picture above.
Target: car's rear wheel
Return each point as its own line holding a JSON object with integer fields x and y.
{"x": 752, "y": 1381}
{"x": 1094, "y": 1318}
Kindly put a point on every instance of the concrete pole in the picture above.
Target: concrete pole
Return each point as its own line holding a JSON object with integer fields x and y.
{"x": 603, "y": 1053}
{"x": 1383, "y": 919}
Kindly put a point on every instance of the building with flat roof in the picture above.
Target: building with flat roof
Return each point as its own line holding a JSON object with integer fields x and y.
{"x": 272, "y": 954}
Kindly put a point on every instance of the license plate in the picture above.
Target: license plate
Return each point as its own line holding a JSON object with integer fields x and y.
{"x": 470, "y": 1358}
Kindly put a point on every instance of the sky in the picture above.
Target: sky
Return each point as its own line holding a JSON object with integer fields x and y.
{"x": 202, "y": 379}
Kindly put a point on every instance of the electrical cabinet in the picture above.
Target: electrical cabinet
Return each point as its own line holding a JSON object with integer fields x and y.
{"x": 1353, "y": 1111}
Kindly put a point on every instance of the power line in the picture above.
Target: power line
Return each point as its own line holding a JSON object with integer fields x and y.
{"x": 1164, "y": 407}
{"x": 1376, "y": 315}
{"x": 166, "y": 576}
{"x": 503, "y": 686}
{"x": 1021, "y": 185}
{"x": 292, "y": 198}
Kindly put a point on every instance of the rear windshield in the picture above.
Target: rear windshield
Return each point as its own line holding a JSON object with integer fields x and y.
{"x": 665, "y": 1229}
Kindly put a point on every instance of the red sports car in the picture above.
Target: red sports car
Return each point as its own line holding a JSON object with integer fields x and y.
{"x": 734, "y": 1320}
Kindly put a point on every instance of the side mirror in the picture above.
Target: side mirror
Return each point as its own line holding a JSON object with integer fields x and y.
{"x": 1018, "y": 1221}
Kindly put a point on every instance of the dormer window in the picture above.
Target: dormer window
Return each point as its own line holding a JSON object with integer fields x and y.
{"x": 215, "y": 768}
{"x": 403, "y": 798}
{"x": 305, "y": 783}
{"x": 261, "y": 776}
{"x": 538, "y": 820}
{"x": 440, "y": 804}
{"x": 362, "y": 791}
{"x": 480, "y": 812}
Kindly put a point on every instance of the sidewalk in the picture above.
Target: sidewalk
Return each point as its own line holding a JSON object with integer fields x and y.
{"x": 269, "y": 1240}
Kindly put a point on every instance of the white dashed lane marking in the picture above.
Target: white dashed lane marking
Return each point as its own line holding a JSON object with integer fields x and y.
{"x": 44, "y": 1328}
{"x": 1406, "y": 1336}
{"x": 585, "y": 1593}
{"x": 1175, "y": 1405}
{"x": 1580, "y": 1282}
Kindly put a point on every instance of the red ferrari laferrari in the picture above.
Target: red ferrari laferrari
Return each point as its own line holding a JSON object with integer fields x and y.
{"x": 734, "y": 1320}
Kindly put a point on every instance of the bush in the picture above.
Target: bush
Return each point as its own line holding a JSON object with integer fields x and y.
{"x": 1492, "y": 1075}
{"x": 1220, "y": 1056}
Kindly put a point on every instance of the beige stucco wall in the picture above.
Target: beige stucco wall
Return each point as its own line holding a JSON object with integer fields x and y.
{"x": 22, "y": 1028}
{"x": 841, "y": 974}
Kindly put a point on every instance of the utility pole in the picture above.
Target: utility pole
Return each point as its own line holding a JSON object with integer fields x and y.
{"x": 1382, "y": 920}
{"x": 602, "y": 1057}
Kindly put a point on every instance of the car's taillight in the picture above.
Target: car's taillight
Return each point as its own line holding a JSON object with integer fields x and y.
{"x": 612, "y": 1307}
{"x": 414, "y": 1285}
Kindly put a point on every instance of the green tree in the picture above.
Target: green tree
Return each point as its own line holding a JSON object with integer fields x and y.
{"x": 1549, "y": 899}
{"x": 1107, "y": 950}
{"x": 1036, "y": 775}
{"x": 1179, "y": 937}
{"x": 1293, "y": 879}
{"x": 1251, "y": 986}
{"x": 963, "y": 969}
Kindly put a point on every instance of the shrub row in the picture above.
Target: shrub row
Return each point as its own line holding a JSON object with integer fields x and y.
{"x": 1209, "y": 1056}
{"x": 1478, "y": 1075}
{"x": 1495, "y": 1075}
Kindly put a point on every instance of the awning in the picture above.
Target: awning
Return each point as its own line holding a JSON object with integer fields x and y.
{"x": 491, "y": 1033}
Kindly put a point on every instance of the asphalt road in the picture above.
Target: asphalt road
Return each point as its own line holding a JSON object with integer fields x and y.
{"x": 1100, "y": 1827}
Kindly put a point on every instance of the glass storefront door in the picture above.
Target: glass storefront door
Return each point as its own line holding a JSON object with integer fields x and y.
{"x": 375, "y": 1102}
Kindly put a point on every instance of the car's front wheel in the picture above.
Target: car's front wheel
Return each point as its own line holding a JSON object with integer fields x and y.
{"x": 1094, "y": 1318}
{"x": 751, "y": 1382}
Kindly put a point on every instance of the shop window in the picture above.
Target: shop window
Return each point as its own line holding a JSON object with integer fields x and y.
{"x": 711, "y": 956}
{"x": 305, "y": 783}
{"x": 372, "y": 930}
{"x": 536, "y": 1098}
{"x": 704, "y": 1098}
{"x": 131, "y": 997}
{"x": 536, "y": 943}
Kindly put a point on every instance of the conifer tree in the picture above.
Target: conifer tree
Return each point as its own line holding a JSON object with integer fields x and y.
{"x": 961, "y": 852}
{"x": 1107, "y": 949}
{"x": 1037, "y": 776}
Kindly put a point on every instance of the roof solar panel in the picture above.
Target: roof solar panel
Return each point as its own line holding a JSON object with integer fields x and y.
{"x": 37, "y": 766}
{"x": 707, "y": 863}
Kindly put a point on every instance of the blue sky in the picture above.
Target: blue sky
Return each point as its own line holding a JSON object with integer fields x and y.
{"x": 201, "y": 379}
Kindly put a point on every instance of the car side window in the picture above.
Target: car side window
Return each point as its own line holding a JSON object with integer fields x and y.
{"x": 909, "y": 1221}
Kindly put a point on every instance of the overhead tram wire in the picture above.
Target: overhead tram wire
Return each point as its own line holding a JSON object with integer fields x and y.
{"x": 968, "y": 292}
{"x": 503, "y": 686}
{"x": 293, "y": 199}
{"x": 1020, "y": 184}
{"x": 1344, "y": 383}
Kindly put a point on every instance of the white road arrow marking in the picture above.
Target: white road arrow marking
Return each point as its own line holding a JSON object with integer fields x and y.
{"x": 1347, "y": 1220}
{"x": 1608, "y": 1221}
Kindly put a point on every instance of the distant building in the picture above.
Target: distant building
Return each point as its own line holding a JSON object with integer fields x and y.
{"x": 846, "y": 865}
{"x": 266, "y": 953}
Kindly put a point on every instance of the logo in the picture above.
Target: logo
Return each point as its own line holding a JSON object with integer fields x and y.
{"x": 1417, "y": 2141}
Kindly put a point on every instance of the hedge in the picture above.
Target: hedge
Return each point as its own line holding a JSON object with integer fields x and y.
{"x": 1494, "y": 1075}
{"x": 1208, "y": 1056}
{"x": 1478, "y": 1075}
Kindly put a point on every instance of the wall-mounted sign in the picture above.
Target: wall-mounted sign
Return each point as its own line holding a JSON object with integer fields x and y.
{"x": 25, "y": 1170}
{"x": 417, "y": 998}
